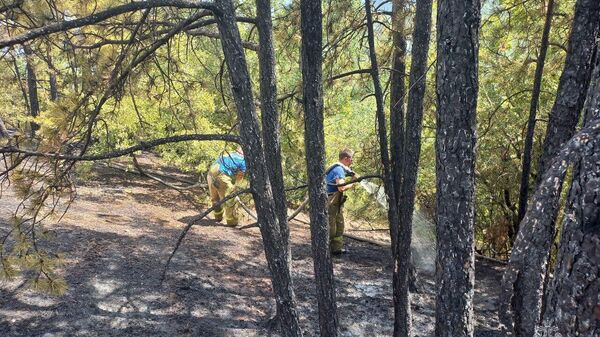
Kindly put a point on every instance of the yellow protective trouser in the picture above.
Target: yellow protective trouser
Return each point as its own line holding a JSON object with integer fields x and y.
{"x": 335, "y": 208}
{"x": 220, "y": 185}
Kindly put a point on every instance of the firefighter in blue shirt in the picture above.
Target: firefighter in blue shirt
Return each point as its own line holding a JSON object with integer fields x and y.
{"x": 224, "y": 175}
{"x": 338, "y": 173}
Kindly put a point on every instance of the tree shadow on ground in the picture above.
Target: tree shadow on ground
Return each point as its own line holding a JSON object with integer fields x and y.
{"x": 116, "y": 241}
{"x": 115, "y": 287}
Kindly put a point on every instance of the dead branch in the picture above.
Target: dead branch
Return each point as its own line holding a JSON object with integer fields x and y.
{"x": 118, "y": 153}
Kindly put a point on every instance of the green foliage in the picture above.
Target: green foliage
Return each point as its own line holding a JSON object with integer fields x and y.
{"x": 184, "y": 88}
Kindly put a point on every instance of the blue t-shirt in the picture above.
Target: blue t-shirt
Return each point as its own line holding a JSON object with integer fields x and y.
{"x": 230, "y": 164}
{"x": 335, "y": 173}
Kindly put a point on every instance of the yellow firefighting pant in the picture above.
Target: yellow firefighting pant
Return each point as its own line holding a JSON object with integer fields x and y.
{"x": 220, "y": 185}
{"x": 335, "y": 209}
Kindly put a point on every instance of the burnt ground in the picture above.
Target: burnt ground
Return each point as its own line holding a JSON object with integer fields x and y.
{"x": 116, "y": 239}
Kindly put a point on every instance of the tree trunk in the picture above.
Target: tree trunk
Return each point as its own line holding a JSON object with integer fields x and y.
{"x": 535, "y": 96}
{"x": 275, "y": 251}
{"x": 388, "y": 180}
{"x": 457, "y": 87}
{"x": 311, "y": 25}
{"x": 535, "y": 223}
{"x": 523, "y": 281}
{"x": 574, "y": 81}
{"x": 34, "y": 102}
{"x": 397, "y": 93}
{"x": 410, "y": 156}
{"x": 53, "y": 87}
{"x": 573, "y": 305}
{"x": 270, "y": 115}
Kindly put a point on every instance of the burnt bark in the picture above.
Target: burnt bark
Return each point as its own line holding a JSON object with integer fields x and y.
{"x": 537, "y": 217}
{"x": 260, "y": 184}
{"x": 410, "y": 157}
{"x": 270, "y": 115}
{"x": 388, "y": 179}
{"x": 535, "y": 96}
{"x": 574, "y": 81}
{"x": 520, "y": 308}
{"x": 535, "y": 224}
{"x": 397, "y": 94}
{"x": 457, "y": 87}
{"x": 312, "y": 59}
{"x": 573, "y": 305}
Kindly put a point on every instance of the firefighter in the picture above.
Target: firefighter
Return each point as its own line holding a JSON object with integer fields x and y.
{"x": 337, "y": 174}
{"x": 225, "y": 174}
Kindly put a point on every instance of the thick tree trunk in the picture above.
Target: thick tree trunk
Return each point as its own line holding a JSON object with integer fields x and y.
{"x": 573, "y": 304}
{"x": 535, "y": 96}
{"x": 269, "y": 113}
{"x": 535, "y": 224}
{"x": 390, "y": 190}
{"x": 411, "y": 152}
{"x": 524, "y": 279}
{"x": 312, "y": 49}
{"x": 535, "y": 221}
{"x": 397, "y": 93}
{"x": 275, "y": 251}
{"x": 457, "y": 87}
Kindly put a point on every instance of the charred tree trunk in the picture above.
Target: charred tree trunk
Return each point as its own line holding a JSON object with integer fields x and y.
{"x": 524, "y": 279}
{"x": 535, "y": 96}
{"x": 270, "y": 115}
{"x": 573, "y": 304}
{"x": 535, "y": 223}
{"x": 410, "y": 156}
{"x": 275, "y": 251}
{"x": 397, "y": 94}
{"x": 390, "y": 190}
{"x": 34, "y": 102}
{"x": 312, "y": 49}
{"x": 457, "y": 87}
{"x": 574, "y": 81}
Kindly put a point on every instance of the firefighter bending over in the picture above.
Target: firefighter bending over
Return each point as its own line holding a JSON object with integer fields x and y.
{"x": 224, "y": 175}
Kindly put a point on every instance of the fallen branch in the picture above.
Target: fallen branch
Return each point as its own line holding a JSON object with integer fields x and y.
{"x": 195, "y": 221}
{"x": 290, "y": 217}
{"x": 155, "y": 178}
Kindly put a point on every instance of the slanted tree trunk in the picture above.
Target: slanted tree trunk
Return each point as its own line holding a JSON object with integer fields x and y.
{"x": 388, "y": 180}
{"x": 275, "y": 251}
{"x": 574, "y": 81}
{"x": 573, "y": 305}
{"x": 410, "y": 157}
{"x": 523, "y": 282}
{"x": 269, "y": 113}
{"x": 457, "y": 87}
{"x": 312, "y": 59}
{"x": 535, "y": 96}
{"x": 34, "y": 102}
{"x": 584, "y": 143}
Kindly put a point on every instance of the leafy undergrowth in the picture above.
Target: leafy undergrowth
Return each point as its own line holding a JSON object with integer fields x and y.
{"x": 118, "y": 235}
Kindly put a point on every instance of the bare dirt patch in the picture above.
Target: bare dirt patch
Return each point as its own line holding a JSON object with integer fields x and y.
{"x": 118, "y": 235}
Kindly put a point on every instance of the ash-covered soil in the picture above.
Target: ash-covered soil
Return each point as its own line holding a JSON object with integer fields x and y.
{"x": 118, "y": 234}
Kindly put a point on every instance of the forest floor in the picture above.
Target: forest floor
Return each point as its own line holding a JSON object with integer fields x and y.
{"x": 118, "y": 234}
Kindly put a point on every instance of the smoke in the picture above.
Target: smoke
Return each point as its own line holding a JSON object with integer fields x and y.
{"x": 423, "y": 231}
